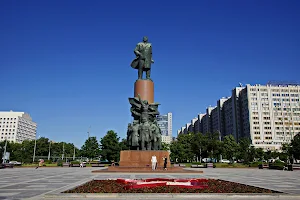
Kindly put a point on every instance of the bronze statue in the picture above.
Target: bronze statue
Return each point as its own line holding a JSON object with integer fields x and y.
{"x": 145, "y": 136}
{"x": 144, "y": 133}
{"x": 135, "y": 135}
{"x": 143, "y": 60}
{"x": 144, "y": 109}
{"x": 129, "y": 134}
{"x": 145, "y": 126}
{"x": 156, "y": 136}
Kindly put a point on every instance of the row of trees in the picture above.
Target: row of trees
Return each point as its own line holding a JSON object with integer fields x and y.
{"x": 187, "y": 147}
{"x": 24, "y": 152}
{"x": 192, "y": 147}
{"x": 108, "y": 147}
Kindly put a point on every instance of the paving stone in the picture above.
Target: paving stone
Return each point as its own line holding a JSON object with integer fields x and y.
{"x": 26, "y": 182}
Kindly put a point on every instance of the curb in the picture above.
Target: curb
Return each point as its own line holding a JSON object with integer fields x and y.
{"x": 168, "y": 196}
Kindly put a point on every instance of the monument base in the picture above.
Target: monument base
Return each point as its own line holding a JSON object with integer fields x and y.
{"x": 144, "y": 88}
{"x": 135, "y": 158}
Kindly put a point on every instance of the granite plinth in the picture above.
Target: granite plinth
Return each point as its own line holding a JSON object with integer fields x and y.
{"x": 144, "y": 88}
{"x": 135, "y": 158}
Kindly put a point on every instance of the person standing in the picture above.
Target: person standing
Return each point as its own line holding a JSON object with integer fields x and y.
{"x": 165, "y": 162}
{"x": 153, "y": 161}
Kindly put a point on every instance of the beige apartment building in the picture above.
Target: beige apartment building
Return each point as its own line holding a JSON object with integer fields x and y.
{"x": 267, "y": 114}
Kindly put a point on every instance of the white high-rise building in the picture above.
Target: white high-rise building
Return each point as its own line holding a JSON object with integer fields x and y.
{"x": 16, "y": 126}
{"x": 165, "y": 124}
{"x": 270, "y": 114}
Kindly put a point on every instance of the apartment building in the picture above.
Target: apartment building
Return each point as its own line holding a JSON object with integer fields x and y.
{"x": 267, "y": 114}
{"x": 273, "y": 114}
{"x": 16, "y": 126}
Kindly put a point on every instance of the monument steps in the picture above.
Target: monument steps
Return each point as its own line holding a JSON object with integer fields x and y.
{"x": 130, "y": 169}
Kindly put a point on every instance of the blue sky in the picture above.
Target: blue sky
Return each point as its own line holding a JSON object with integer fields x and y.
{"x": 67, "y": 63}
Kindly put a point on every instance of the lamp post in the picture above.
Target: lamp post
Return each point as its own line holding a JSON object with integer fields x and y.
{"x": 34, "y": 149}
{"x": 74, "y": 153}
{"x": 4, "y": 155}
{"x": 62, "y": 156}
{"x": 49, "y": 150}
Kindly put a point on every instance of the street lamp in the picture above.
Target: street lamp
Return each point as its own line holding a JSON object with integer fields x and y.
{"x": 49, "y": 150}
{"x": 4, "y": 155}
{"x": 34, "y": 149}
{"x": 74, "y": 153}
{"x": 62, "y": 156}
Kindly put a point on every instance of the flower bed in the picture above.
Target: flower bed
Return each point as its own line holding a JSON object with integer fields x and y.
{"x": 160, "y": 185}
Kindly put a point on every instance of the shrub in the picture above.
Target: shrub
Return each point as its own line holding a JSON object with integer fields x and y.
{"x": 94, "y": 162}
{"x": 48, "y": 162}
{"x": 75, "y": 162}
{"x": 196, "y": 163}
{"x": 255, "y": 164}
{"x": 59, "y": 163}
{"x": 278, "y": 166}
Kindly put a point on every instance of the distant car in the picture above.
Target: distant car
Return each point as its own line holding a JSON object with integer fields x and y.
{"x": 15, "y": 163}
{"x": 224, "y": 161}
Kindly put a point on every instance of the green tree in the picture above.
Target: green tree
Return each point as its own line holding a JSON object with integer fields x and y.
{"x": 181, "y": 150}
{"x": 199, "y": 145}
{"x": 42, "y": 147}
{"x": 252, "y": 153}
{"x": 286, "y": 152}
{"x": 90, "y": 149}
{"x": 110, "y": 147}
{"x": 259, "y": 153}
{"x": 244, "y": 150}
{"x": 123, "y": 144}
{"x": 295, "y": 146}
{"x": 214, "y": 145}
{"x": 230, "y": 147}
{"x": 165, "y": 146}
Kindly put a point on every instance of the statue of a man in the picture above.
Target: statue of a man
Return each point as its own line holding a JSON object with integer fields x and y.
{"x": 145, "y": 136}
{"x": 156, "y": 136}
{"x": 135, "y": 135}
{"x": 143, "y": 60}
{"x": 129, "y": 134}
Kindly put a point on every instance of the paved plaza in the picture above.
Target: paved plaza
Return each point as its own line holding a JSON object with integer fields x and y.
{"x": 48, "y": 183}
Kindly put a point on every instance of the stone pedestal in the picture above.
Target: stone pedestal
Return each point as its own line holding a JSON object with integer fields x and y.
{"x": 145, "y": 88}
{"x": 135, "y": 158}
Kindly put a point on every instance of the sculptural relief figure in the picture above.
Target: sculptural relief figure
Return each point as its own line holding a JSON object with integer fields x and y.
{"x": 129, "y": 134}
{"x": 145, "y": 132}
{"x": 135, "y": 135}
{"x": 143, "y": 60}
{"x": 156, "y": 136}
{"x": 144, "y": 109}
{"x": 145, "y": 126}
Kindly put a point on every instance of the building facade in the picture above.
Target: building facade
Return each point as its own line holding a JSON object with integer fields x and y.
{"x": 273, "y": 114}
{"x": 17, "y": 127}
{"x": 165, "y": 124}
{"x": 269, "y": 115}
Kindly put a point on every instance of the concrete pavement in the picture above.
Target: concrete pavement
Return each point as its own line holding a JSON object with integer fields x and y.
{"x": 48, "y": 183}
